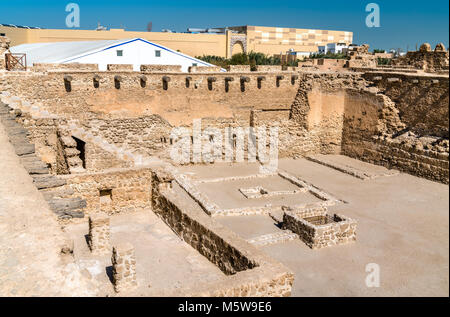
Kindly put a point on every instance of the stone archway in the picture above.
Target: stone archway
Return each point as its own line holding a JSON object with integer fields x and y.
{"x": 237, "y": 48}
{"x": 238, "y": 44}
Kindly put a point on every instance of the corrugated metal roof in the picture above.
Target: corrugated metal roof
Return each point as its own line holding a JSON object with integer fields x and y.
{"x": 65, "y": 52}
{"x": 60, "y": 51}
{"x": 20, "y": 26}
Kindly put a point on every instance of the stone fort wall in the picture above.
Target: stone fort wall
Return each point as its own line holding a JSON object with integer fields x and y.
{"x": 364, "y": 115}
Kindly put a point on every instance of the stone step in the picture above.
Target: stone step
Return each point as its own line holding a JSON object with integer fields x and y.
{"x": 5, "y": 115}
{"x": 19, "y": 139}
{"x": 68, "y": 142}
{"x": 70, "y": 207}
{"x": 60, "y": 192}
{"x": 71, "y": 152}
{"x": 5, "y": 110}
{"x": 17, "y": 131}
{"x": 24, "y": 149}
{"x": 36, "y": 167}
{"x": 30, "y": 158}
{"x": 74, "y": 161}
{"x": 77, "y": 170}
{"x": 10, "y": 123}
{"x": 45, "y": 182}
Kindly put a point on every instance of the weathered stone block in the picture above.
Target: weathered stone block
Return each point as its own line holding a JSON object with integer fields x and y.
{"x": 44, "y": 182}
{"x": 99, "y": 233}
{"x": 318, "y": 229}
{"x": 124, "y": 267}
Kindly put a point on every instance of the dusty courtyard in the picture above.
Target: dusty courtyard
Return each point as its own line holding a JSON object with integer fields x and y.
{"x": 402, "y": 227}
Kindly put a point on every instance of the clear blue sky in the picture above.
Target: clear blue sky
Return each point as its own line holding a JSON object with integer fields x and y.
{"x": 403, "y": 23}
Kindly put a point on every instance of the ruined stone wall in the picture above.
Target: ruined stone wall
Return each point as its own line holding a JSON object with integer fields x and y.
{"x": 113, "y": 191}
{"x": 238, "y": 68}
{"x": 184, "y": 98}
{"x": 422, "y": 101}
{"x": 4, "y": 48}
{"x": 146, "y": 135}
{"x": 160, "y": 68}
{"x": 42, "y": 67}
{"x": 43, "y": 133}
{"x": 207, "y": 242}
{"x": 204, "y": 69}
{"x": 138, "y": 115}
{"x": 367, "y": 116}
{"x": 316, "y": 115}
{"x": 249, "y": 271}
{"x": 408, "y": 132}
{"x": 401, "y": 122}
{"x": 430, "y": 61}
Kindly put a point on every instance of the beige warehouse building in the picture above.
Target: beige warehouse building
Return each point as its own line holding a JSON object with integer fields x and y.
{"x": 267, "y": 40}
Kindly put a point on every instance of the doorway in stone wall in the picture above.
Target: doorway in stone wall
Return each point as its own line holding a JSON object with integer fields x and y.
{"x": 81, "y": 147}
{"x": 237, "y": 48}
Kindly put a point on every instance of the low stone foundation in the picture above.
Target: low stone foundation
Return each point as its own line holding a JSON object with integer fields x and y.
{"x": 99, "y": 232}
{"x": 112, "y": 191}
{"x": 124, "y": 267}
{"x": 318, "y": 229}
{"x": 248, "y": 271}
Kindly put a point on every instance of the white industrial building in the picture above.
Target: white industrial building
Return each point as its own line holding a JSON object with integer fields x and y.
{"x": 131, "y": 51}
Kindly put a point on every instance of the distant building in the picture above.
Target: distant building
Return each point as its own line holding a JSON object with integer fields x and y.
{"x": 221, "y": 41}
{"x": 132, "y": 51}
{"x": 333, "y": 48}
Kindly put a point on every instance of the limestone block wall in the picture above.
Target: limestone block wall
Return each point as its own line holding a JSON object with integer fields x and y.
{"x": 119, "y": 67}
{"x": 185, "y": 97}
{"x": 160, "y": 68}
{"x": 145, "y": 135}
{"x": 238, "y": 68}
{"x": 410, "y": 134}
{"x": 404, "y": 157}
{"x": 430, "y": 61}
{"x": 43, "y": 133}
{"x": 340, "y": 230}
{"x": 268, "y": 68}
{"x": 422, "y": 100}
{"x": 111, "y": 192}
{"x": 204, "y": 69}
{"x": 99, "y": 233}
{"x": 4, "y": 48}
{"x": 316, "y": 112}
{"x": 124, "y": 267}
{"x": 138, "y": 116}
{"x": 42, "y": 67}
{"x": 316, "y": 116}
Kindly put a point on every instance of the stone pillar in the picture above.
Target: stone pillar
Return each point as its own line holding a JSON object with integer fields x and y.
{"x": 99, "y": 234}
{"x": 4, "y": 48}
{"x": 124, "y": 267}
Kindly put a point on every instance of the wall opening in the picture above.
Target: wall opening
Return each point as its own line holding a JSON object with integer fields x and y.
{"x": 105, "y": 196}
{"x": 117, "y": 80}
{"x": 68, "y": 83}
{"x": 238, "y": 48}
{"x": 81, "y": 146}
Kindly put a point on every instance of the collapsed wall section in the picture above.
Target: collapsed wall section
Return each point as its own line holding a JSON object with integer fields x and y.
{"x": 412, "y": 130}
